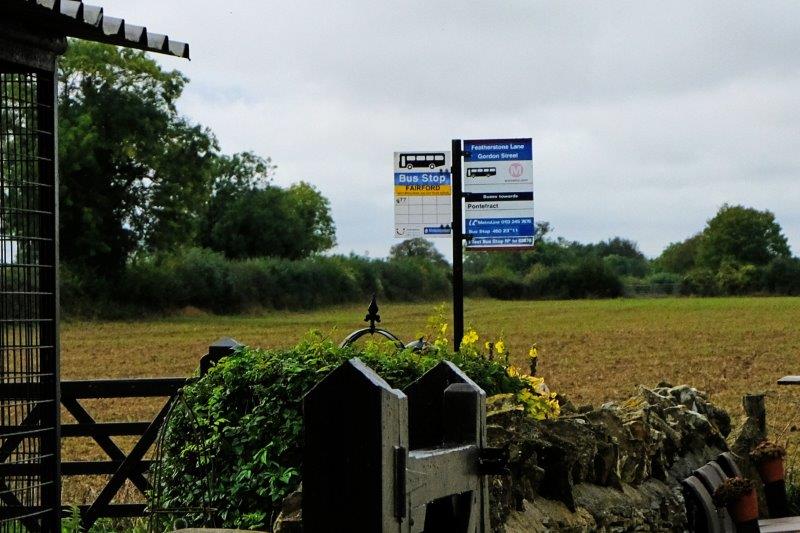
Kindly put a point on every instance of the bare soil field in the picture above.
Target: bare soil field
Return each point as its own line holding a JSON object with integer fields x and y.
{"x": 591, "y": 351}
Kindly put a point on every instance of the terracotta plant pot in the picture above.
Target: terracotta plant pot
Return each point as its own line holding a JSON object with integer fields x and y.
{"x": 771, "y": 470}
{"x": 744, "y": 509}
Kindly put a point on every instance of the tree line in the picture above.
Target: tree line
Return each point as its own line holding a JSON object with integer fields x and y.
{"x": 741, "y": 250}
{"x": 155, "y": 216}
{"x": 137, "y": 179}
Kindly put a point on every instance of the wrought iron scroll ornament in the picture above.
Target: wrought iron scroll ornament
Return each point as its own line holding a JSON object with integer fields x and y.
{"x": 374, "y": 318}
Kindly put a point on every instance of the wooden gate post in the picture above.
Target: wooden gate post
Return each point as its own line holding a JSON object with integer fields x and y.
{"x": 361, "y": 475}
{"x": 221, "y": 348}
{"x": 355, "y": 424}
{"x": 447, "y": 432}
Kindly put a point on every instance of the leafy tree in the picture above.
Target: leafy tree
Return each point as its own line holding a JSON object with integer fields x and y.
{"x": 623, "y": 265}
{"x": 543, "y": 229}
{"x": 314, "y": 230}
{"x": 743, "y": 235}
{"x": 133, "y": 172}
{"x": 242, "y": 171}
{"x": 620, "y": 247}
{"x": 137, "y": 176}
{"x": 290, "y": 223}
{"x": 679, "y": 257}
{"x": 417, "y": 247}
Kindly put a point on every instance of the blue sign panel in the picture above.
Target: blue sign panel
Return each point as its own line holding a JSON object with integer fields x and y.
{"x": 488, "y": 243}
{"x": 422, "y": 178}
{"x": 508, "y": 227}
{"x": 498, "y": 187}
{"x": 438, "y": 231}
{"x": 499, "y": 150}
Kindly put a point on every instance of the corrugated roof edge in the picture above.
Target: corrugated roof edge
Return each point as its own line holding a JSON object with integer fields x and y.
{"x": 90, "y": 22}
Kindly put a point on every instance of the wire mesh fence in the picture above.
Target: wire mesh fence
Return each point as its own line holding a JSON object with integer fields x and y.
{"x": 28, "y": 365}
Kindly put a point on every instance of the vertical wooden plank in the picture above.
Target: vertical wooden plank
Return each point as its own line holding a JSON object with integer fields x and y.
{"x": 425, "y": 414}
{"x": 447, "y": 408}
{"x": 353, "y": 422}
{"x": 461, "y": 420}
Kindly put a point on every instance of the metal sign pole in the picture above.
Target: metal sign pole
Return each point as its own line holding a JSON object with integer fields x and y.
{"x": 458, "y": 255}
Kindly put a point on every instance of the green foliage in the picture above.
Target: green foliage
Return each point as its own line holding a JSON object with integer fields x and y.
{"x": 622, "y": 265}
{"x": 501, "y": 284}
{"x": 618, "y": 247}
{"x": 679, "y": 257}
{"x": 782, "y": 276}
{"x": 733, "y": 278}
{"x": 315, "y": 230}
{"x": 699, "y": 281}
{"x": 663, "y": 283}
{"x": 72, "y": 522}
{"x": 234, "y": 442}
{"x": 555, "y": 269}
{"x": 205, "y": 279}
{"x": 417, "y": 247}
{"x": 741, "y": 251}
{"x": 412, "y": 279}
{"x": 132, "y": 171}
{"x": 292, "y": 223}
{"x": 137, "y": 178}
{"x": 741, "y": 234}
{"x": 590, "y": 278}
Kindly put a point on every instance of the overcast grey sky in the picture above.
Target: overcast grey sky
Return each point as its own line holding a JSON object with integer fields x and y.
{"x": 646, "y": 116}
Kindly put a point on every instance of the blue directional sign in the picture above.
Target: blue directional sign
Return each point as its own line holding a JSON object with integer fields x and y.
{"x": 498, "y": 187}
{"x": 499, "y": 150}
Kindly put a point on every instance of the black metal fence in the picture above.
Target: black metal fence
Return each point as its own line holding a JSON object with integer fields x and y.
{"x": 29, "y": 460}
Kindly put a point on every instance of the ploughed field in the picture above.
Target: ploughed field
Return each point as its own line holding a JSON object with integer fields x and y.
{"x": 590, "y": 350}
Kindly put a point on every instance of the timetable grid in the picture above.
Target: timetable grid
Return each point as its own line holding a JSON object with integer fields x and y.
{"x": 422, "y": 191}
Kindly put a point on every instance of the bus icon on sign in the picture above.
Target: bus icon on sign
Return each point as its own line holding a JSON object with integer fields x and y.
{"x": 481, "y": 172}
{"x": 430, "y": 161}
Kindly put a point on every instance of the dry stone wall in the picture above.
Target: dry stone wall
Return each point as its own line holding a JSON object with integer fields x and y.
{"x": 615, "y": 468}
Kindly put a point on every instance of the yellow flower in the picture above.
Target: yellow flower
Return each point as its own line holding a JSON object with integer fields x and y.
{"x": 443, "y": 329}
{"x": 500, "y": 346}
{"x": 513, "y": 372}
{"x": 470, "y": 338}
{"x": 533, "y": 353}
{"x": 533, "y": 381}
{"x": 487, "y": 345}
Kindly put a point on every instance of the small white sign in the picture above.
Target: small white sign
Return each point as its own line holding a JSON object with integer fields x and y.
{"x": 422, "y": 194}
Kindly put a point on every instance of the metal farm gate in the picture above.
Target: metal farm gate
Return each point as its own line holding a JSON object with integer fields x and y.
{"x": 33, "y": 33}
{"x": 29, "y": 397}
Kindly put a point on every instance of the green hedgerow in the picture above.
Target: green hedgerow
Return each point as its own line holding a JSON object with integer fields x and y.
{"x": 231, "y": 448}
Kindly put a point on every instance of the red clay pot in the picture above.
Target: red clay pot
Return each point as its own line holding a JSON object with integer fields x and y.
{"x": 745, "y": 508}
{"x": 771, "y": 470}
